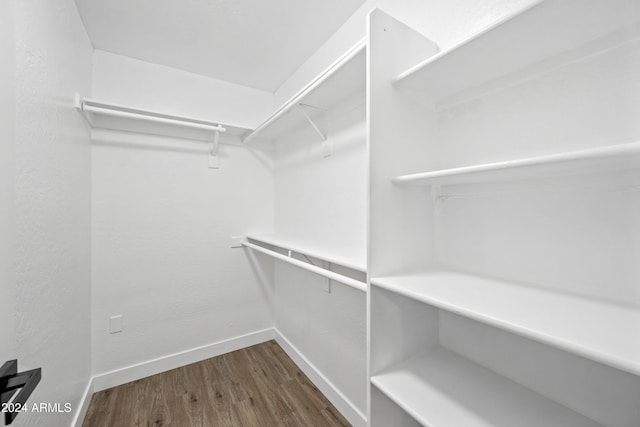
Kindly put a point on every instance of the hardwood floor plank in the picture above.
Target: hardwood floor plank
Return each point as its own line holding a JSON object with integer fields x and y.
{"x": 255, "y": 386}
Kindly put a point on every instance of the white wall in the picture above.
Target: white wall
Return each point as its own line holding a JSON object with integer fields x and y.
{"x": 162, "y": 220}
{"x": 444, "y": 21}
{"x": 321, "y": 201}
{"x": 52, "y": 205}
{"x": 7, "y": 139}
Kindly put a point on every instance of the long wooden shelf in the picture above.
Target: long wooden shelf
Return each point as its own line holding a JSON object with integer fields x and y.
{"x": 343, "y": 79}
{"x": 442, "y": 389}
{"x": 338, "y": 257}
{"x": 596, "y": 329}
{"x": 540, "y": 31}
{"x": 604, "y": 159}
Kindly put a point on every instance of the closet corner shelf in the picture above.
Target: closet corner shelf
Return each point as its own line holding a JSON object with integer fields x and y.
{"x": 462, "y": 393}
{"x": 102, "y": 115}
{"x": 341, "y": 80}
{"x": 354, "y": 263}
{"x": 517, "y": 42}
{"x": 605, "y": 332}
{"x": 594, "y": 160}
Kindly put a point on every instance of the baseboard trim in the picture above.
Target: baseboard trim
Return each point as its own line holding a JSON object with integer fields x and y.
{"x": 335, "y": 396}
{"x": 155, "y": 366}
{"x": 83, "y": 405}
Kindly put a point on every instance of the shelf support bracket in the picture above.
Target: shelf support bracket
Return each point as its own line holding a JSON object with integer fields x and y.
{"x": 436, "y": 192}
{"x": 320, "y": 130}
{"x": 77, "y": 101}
{"x": 326, "y": 281}
{"x": 214, "y": 159}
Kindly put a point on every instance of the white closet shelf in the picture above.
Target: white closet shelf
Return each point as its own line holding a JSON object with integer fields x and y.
{"x": 596, "y": 329}
{"x": 324, "y": 254}
{"x": 343, "y": 79}
{"x": 603, "y": 159}
{"x": 442, "y": 389}
{"x": 102, "y": 115}
{"x": 540, "y": 31}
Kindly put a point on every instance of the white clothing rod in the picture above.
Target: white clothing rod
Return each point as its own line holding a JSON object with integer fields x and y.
{"x": 356, "y": 284}
{"x": 150, "y": 118}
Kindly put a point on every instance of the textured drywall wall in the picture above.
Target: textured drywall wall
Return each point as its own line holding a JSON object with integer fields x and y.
{"x": 321, "y": 202}
{"x": 162, "y": 220}
{"x": 7, "y": 139}
{"x": 52, "y": 205}
{"x": 328, "y": 329}
{"x": 446, "y": 22}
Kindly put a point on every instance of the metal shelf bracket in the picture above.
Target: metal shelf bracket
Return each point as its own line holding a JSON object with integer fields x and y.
{"x": 319, "y": 128}
{"x": 214, "y": 159}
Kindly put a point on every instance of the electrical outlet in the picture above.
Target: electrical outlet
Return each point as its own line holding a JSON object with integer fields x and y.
{"x": 115, "y": 324}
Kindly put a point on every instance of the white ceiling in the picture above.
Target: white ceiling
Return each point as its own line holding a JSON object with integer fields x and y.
{"x": 255, "y": 43}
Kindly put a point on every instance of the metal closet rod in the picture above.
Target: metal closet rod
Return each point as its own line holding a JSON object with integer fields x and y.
{"x": 89, "y": 106}
{"x": 356, "y": 284}
{"x": 150, "y": 118}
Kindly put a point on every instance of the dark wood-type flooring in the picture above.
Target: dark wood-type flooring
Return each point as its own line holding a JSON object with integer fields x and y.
{"x": 255, "y": 386}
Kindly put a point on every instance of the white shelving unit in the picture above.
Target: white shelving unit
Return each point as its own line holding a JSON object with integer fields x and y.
{"x": 604, "y": 159}
{"x": 441, "y": 389}
{"x": 343, "y": 79}
{"x": 606, "y": 332}
{"x": 511, "y": 327}
{"x": 517, "y": 42}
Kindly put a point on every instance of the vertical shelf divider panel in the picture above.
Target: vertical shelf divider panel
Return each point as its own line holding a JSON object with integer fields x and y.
{"x": 399, "y": 134}
{"x": 399, "y": 225}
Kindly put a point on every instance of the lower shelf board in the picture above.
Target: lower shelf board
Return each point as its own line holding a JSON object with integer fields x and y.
{"x": 443, "y": 389}
{"x": 596, "y": 329}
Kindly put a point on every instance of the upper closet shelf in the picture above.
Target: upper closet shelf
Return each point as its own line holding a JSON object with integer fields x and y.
{"x": 341, "y": 80}
{"x": 540, "y": 31}
{"x": 606, "y": 332}
{"x": 103, "y": 115}
{"x": 603, "y": 159}
{"x": 345, "y": 260}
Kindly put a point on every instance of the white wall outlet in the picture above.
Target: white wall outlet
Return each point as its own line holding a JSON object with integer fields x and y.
{"x": 236, "y": 241}
{"x": 115, "y": 324}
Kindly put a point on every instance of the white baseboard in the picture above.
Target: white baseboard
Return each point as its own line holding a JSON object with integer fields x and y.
{"x": 83, "y": 405}
{"x": 176, "y": 360}
{"x": 339, "y": 400}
